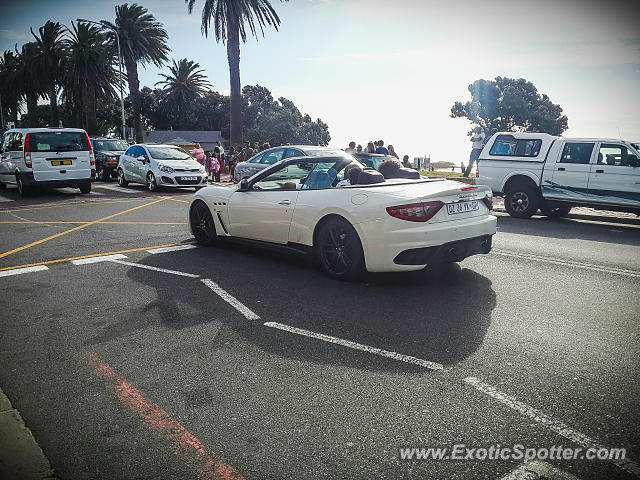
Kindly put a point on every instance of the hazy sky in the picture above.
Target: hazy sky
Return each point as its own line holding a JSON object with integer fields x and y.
{"x": 376, "y": 69}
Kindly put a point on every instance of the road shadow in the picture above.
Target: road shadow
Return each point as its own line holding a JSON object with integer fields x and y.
{"x": 567, "y": 228}
{"x": 440, "y": 314}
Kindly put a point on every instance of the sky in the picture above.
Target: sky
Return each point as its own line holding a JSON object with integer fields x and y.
{"x": 375, "y": 69}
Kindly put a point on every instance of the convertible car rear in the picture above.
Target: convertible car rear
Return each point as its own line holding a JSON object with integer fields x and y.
{"x": 394, "y": 225}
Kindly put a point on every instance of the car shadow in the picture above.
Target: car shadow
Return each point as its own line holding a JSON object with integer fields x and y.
{"x": 567, "y": 228}
{"x": 440, "y": 314}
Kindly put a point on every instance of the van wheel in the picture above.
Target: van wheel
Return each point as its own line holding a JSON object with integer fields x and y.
{"x": 85, "y": 188}
{"x": 22, "y": 189}
{"x": 521, "y": 201}
{"x": 121, "y": 180}
{"x": 555, "y": 210}
{"x": 151, "y": 182}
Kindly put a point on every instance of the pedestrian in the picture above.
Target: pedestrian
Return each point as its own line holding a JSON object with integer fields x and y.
{"x": 207, "y": 162}
{"x": 221, "y": 148}
{"x": 214, "y": 165}
{"x": 198, "y": 154}
{"x": 477, "y": 140}
{"x": 351, "y": 148}
{"x": 405, "y": 162}
{"x": 381, "y": 149}
{"x": 462, "y": 166}
{"x": 359, "y": 149}
{"x": 371, "y": 148}
{"x": 265, "y": 146}
{"x": 392, "y": 152}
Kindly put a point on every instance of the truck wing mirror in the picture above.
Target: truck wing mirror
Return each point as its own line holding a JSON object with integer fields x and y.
{"x": 633, "y": 161}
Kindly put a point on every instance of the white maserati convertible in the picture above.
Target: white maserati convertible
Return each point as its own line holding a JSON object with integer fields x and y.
{"x": 374, "y": 224}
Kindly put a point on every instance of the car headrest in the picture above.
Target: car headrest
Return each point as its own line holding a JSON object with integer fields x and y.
{"x": 407, "y": 173}
{"x": 369, "y": 177}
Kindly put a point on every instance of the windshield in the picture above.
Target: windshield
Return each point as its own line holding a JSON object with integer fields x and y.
{"x": 58, "y": 142}
{"x": 168, "y": 153}
{"x": 115, "y": 145}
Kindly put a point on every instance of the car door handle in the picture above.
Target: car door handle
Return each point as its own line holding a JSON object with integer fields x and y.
{"x": 599, "y": 171}
{"x": 561, "y": 169}
{"x": 285, "y": 202}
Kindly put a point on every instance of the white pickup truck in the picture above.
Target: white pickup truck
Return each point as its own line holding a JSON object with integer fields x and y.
{"x": 540, "y": 171}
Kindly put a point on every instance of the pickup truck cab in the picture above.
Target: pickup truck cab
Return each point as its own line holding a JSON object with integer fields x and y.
{"x": 540, "y": 171}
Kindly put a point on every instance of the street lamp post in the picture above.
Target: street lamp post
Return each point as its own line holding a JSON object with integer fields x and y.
{"x": 124, "y": 126}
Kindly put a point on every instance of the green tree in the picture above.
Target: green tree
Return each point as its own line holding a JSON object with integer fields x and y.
{"x": 182, "y": 86}
{"x": 31, "y": 84}
{"x": 89, "y": 72}
{"x": 231, "y": 19}
{"x": 10, "y": 86}
{"x": 143, "y": 40}
{"x": 507, "y": 104}
{"x": 49, "y": 58}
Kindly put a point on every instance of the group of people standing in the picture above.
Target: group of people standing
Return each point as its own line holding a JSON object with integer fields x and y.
{"x": 379, "y": 148}
{"x": 220, "y": 161}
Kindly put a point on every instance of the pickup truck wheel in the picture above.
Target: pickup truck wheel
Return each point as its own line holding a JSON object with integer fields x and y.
{"x": 521, "y": 201}
{"x": 555, "y": 211}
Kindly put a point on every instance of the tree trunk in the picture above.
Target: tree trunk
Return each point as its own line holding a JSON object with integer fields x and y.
{"x": 233, "y": 56}
{"x": 32, "y": 108}
{"x": 89, "y": 106}
{"x": 54, "y": 104}
{"x": 134, "y": 92}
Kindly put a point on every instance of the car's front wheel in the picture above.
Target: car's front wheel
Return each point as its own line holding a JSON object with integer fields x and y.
{"x": 151, "y": 182}
{"x": 122, "y": 181}
{"x": 202, "y": 225}
{"x": 339, "y": 249}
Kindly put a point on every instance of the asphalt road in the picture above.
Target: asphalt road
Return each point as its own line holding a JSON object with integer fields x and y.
{"x": 235, "y": 363}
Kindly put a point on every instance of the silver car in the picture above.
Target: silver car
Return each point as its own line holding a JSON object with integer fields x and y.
{"x": 270, "y": 156}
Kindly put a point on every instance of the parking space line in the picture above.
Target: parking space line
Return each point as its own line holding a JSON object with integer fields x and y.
{"x": 84, "y": 203}
{"x": 101, "y": 258}
{"x": 568, "y": 263}
{"x": 84, "y": 225}
{"x": 19, "y": 271}
{"x": 230, "y": 299}
{"x": 59, "y": 222}
{"x": 116, "y": 188}
{"x": 357, "y": 346}
{"x": 156, "y": 269}
{"x": 554, "y": 425}
{"x": 171, "y": 249}
{"x": 538, "y": 470}
{"x": 178, "y": 200}
{"x": 180, "y": 441}
{"x": 68, "y": 259}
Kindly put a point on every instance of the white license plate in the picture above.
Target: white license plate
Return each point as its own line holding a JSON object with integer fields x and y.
{"x": 462, "y": 207}
{"x": 189, "y": 178}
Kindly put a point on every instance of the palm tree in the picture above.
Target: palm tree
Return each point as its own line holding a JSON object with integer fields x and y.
{"x": 30, "y": 80}
{"x": 89, "y": 72}
{"x": 143, "y": 40}
{"x": 184, "y": 84}
{"x": 10, "y": 85}
{"x": 229, "y": 18}
{"x": 49, "y": 56}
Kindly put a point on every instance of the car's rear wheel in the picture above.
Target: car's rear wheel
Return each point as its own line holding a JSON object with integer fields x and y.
{"x": 556, "y": 210}
{"x": 521, "y": 201}
{"x": 151, "y": 182}
{"x": 22, "y": 189}
{"x": 202, "y": 225}
{"x": 122, "y": 181}
{"x": 103, "y": 174}
{"x": 339, "y": 249}
{"x": 85, "y": 188}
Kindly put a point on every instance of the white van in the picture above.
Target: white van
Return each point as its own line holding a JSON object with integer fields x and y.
{"x": 48, "y": 157}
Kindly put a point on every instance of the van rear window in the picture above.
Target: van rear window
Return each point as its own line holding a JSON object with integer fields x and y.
{"x": 58, "y": 142}
{"x": 506, "y": 145}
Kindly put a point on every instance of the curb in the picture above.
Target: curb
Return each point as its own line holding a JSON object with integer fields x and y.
{"x": 21, "y": 458}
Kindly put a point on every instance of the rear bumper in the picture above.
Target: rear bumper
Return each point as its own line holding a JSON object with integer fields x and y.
{"x": 29, "y": 181}
{"x": 385, "y": 242}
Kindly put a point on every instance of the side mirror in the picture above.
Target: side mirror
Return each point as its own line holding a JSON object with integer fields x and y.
{"x": 633, "y": 161}
{"x": 142, "y": 158}
{"x": 244, "y": 185}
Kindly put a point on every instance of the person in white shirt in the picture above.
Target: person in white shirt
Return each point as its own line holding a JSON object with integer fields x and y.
{"x": 351, "y": 149}
{"x": 477, "y": 141}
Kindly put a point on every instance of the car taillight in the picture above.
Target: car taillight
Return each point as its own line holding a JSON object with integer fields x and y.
{"x": 415, "y": 212}
{"x": 27, "y": 151}
{"x": 92, "y": 157}
{"x": 488, "y": 201}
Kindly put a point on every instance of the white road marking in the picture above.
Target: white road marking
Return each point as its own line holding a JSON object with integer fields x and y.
{"x": 117, "y": 188}
{"x": 357, "y": 346}
{"x": 231, "y": 300}
{"x": 171, "y": 249}
{"x": 555, "y": 425}
{"x": 102, "y": 258}
{"x": 538, "y": 470}
{"x": 93, "y": 192}
{"x": 18, "y": 271}
{"x": 568, "y": 263}
{"x": 5, "y": 199}
{"x": 156, "y": 269}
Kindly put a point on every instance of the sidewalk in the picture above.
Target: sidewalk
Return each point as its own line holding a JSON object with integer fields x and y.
{"x": 21, "y": 458}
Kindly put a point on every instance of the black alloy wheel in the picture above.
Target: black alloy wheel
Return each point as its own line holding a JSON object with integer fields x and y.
{"x": 202, "y": 225}
{"x": 339, "y": 249}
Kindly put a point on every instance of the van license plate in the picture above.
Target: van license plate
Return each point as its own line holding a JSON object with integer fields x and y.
{"x": 55, "y": 163}
{"x": 189, "y": 179}
{"x": 462, "y": 207}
